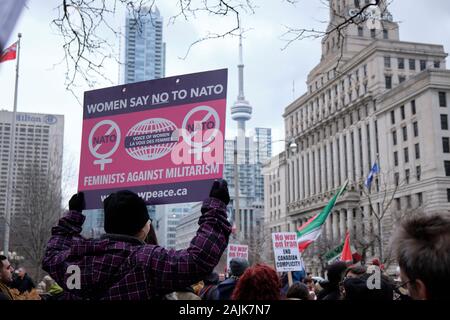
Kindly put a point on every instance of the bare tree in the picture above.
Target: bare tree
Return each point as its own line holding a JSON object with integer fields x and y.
{"x": 39, "y": 187}
{"x": 382, "y": 217}
{"x": 90, "y": 35}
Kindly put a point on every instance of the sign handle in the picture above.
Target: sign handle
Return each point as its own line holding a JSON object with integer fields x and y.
{"x": 290, "y": 281}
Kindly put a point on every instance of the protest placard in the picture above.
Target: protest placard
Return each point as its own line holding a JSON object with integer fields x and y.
{"x": 236, "y": 251}
{"x": 162, "y": 139}
{"x": 286, "y": 252}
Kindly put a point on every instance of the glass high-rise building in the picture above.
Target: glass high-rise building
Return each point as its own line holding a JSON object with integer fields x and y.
{"x": 144, "y": 55}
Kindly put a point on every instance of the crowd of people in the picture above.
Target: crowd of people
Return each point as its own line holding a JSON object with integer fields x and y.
{"x": 127, "y": 263}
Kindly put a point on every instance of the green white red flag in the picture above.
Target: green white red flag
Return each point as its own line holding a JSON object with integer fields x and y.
{"x": 312, "y": 229}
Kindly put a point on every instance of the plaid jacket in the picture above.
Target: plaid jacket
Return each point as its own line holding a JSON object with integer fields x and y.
{"x": 118, "y": 267}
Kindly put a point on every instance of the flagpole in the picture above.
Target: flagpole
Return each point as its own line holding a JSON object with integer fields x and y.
{"x": 12, "y": 143}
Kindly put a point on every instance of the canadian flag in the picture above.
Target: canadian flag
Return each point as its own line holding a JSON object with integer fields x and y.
{"x": 9, "y": 53}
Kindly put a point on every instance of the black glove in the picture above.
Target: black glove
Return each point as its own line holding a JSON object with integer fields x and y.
{"x": 77, "y": 203}
{"x": 219, "y": 191}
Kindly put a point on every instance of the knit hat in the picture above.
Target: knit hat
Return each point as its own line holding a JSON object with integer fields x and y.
{"x": 125, "y": 213}
{"x": 238, "y": 266}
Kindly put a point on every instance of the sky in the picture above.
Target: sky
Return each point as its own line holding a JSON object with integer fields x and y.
{"x": 273, "y": 77}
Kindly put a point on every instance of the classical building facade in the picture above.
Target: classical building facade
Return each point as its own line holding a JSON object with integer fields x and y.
{"x": 371, "y": 99}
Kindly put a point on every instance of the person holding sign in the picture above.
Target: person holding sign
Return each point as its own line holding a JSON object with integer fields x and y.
{"x": 121, "y": 266}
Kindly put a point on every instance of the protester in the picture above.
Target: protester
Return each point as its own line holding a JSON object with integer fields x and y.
{"x": 309, "y": 282}
{"x": 259, "y": 282}
{"x": 6, "y": 271}
{"x": 237, "y": 268}
{"x": 120, "y": 266}
{"x": 297, "y": 276}
{"x": 357, "y": 288}
{"x": 209, "y": 290}
{"x": 423, "y": 254}
{"x": 335, "y": 274}
{"x": 298, "y": 291}
{"x": 355, "y": 272}
{"x": 23, "y": 281}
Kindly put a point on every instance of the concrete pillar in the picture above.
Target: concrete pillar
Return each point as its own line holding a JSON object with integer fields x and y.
{"x": 365, "y": 148}
{"x": 335, "y": 225}
{"x": 373, "y": 141}
{"x": 343, "y": 223}
{"x": 329, "y": 166}
{"x": 342, "y": 158}
{"x": 357, "y": 158}
{"x": 294, "y": 179}
{"x": 328, "y": 227}
{"x": 350, "y": 221}
{"x": 335, "y": 163}
{"x": 317, "y": 169}
{"x": 307, "y": 174}
{"x": 311, "y": 174}
{"x": 323, "y": 169}
{"x": 350, "y": 157}
{"x": 300, "y": 181}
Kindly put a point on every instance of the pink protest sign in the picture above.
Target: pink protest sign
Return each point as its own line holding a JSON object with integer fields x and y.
{"x": 162, "y": 139}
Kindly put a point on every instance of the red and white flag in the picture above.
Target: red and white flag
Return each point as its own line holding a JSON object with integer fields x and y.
{"x": 9, "y": 53}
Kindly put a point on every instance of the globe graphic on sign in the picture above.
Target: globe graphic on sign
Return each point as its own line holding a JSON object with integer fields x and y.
{"x": 148, "y": 128}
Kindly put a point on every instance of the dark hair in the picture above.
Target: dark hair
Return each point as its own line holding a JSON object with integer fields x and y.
{"x": 423, "y": 252}
{"x": 308, "y": 280}
{"x": 335, "y": 272}
{"x": 358, "y": 270}
{"x": 2, "y": 257}
{"x": 259, "y": 282}
{"x": 298, "y": 290}
{"x": 358, "y": 289}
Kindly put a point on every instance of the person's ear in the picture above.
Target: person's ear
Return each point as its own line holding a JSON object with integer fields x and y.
{"x": 419, "y": 291}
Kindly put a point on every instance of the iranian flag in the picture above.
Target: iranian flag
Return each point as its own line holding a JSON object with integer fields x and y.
{"x": 312, "y": 229}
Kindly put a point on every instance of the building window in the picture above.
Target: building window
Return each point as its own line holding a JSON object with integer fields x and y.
{"x": 420, "y": 199}
{"x": 402, "y": 112}
{"x": 437, "y": 64}
{"x": 448, "y": 195}
{"x": 387, "y": 62}
{"x": 406, "y": 155}
{"x": 405, "y": 133}
{"x": 418, "y": 173}
{"x": 407, "y": 174}
{"x": 413, "y": 107}
{"x": 442, "y": 99}
{"x": 447, "y": 168}
{"x": 417, "y": 151}
{"x": 396, "y": 158}
{"x": 394, "y": 138}
{"x": 408, "y": 202}
{"x": 423, "y": 65}
{"x": 385, "y": 34}
{"x": 373, "y": 33}
{"x": 393, "y": 117}
{"x": 412, "y": 64}
{"x": 401, "y": 79}
{"x": 398, "y": 204}
{"x": 444, "y": 122}
{"x": 360, "y": 31}
{"x": 416, "y": 129}
{"x": 388, "y": 82}
{"x": 396, "y": 179}
{"x": 446, "y": 145}
{"x": 401, "y": 63}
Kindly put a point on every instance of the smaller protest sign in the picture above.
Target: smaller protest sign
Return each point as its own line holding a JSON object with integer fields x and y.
{"x": 236, "y": 251}
{"x": 287, "y": 255}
